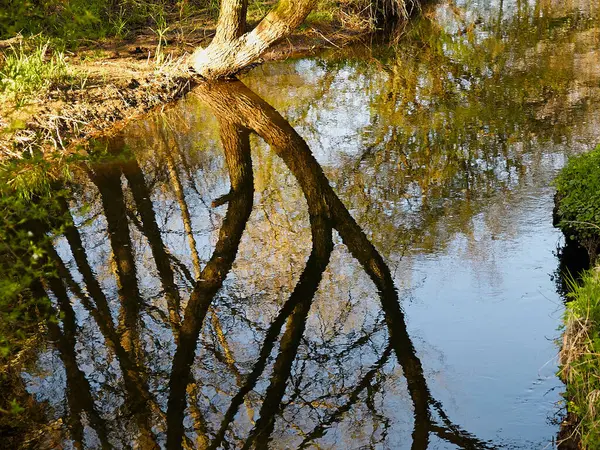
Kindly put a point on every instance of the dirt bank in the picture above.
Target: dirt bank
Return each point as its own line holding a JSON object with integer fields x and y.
{"x": 119, "y": 81}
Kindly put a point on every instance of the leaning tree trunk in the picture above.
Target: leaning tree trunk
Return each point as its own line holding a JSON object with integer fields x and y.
{"x": 233, "y": 48}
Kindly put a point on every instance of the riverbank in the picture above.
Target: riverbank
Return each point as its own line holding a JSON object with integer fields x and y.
{"x": 577, "y": 214}
{"x": 101, "y": 86}
{"x": 580, "y": 365}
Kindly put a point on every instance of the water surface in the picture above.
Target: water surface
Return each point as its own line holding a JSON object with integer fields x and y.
{"x": 202, "y": 301}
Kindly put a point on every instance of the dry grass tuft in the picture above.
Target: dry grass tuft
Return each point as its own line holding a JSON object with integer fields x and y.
{"x": 371, "y": 15}
{"x": 575, "y": 344}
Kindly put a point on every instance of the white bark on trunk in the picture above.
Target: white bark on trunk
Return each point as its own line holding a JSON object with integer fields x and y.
{"x": 232, "y": 49}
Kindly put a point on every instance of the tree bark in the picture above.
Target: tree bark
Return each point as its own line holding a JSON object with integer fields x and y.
{"x": 232, "y": 49}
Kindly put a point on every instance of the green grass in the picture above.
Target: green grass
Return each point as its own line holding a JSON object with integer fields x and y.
{"x": 80, "y": 21}
{"x": 580, "y": 361}
{"x": 25, "y": 72}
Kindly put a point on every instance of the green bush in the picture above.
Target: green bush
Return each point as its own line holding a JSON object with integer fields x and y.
{"x": 578, "y": 201}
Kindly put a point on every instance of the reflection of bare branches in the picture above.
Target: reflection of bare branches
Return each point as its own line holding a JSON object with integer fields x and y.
{"x": 185, "y": 212}
{"x": 335, "y": 416}
{"x": 305, "y": 291}
{"x": 233, "y": 100}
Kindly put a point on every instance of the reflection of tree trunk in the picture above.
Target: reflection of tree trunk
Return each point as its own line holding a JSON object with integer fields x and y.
{"x": 199, "y": 423}
{"x": 126, "y": 342}
{"x": 236, "y": 145}
{"x": 141, "y": 196}
{"x": 332, "y": 418}
{"x": 108, "y": 180}
{"x": 233, "y": 100}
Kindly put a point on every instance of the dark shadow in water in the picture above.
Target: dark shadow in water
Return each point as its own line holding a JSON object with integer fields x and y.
{"x": 573, "y": 260}
{"x": 157, "y": 416}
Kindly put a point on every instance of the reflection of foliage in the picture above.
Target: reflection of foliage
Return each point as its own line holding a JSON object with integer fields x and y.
{"x": 26, "y": 197}
{"x": 27, "y": 203}
{"x": 446, "y": 116}
{"x": 578, "y": 201}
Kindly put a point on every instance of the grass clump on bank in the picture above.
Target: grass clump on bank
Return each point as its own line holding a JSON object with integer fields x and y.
{"x": 580, "y": 363}
{"x": 27, "y": 72}
{"x": 577, "y": 214}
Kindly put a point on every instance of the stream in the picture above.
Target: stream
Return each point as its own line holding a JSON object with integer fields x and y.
{"x": 344, "y": 251}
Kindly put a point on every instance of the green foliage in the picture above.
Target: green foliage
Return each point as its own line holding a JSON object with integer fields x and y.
{"x": 66, "y": 19}
{"x": 74, "y": 20}
{"x": 581, "y": 365}
{"x": 578, "y": 200}
{"x": 26, "y": 71}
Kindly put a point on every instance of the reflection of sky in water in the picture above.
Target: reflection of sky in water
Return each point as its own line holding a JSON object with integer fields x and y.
{"x": 483, "y": 307}
{"x": 494, "y": 319}
{"x": 345, "y": 123}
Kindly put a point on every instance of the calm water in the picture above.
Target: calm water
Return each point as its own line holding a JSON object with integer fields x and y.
{"x": 266, "y": 318}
